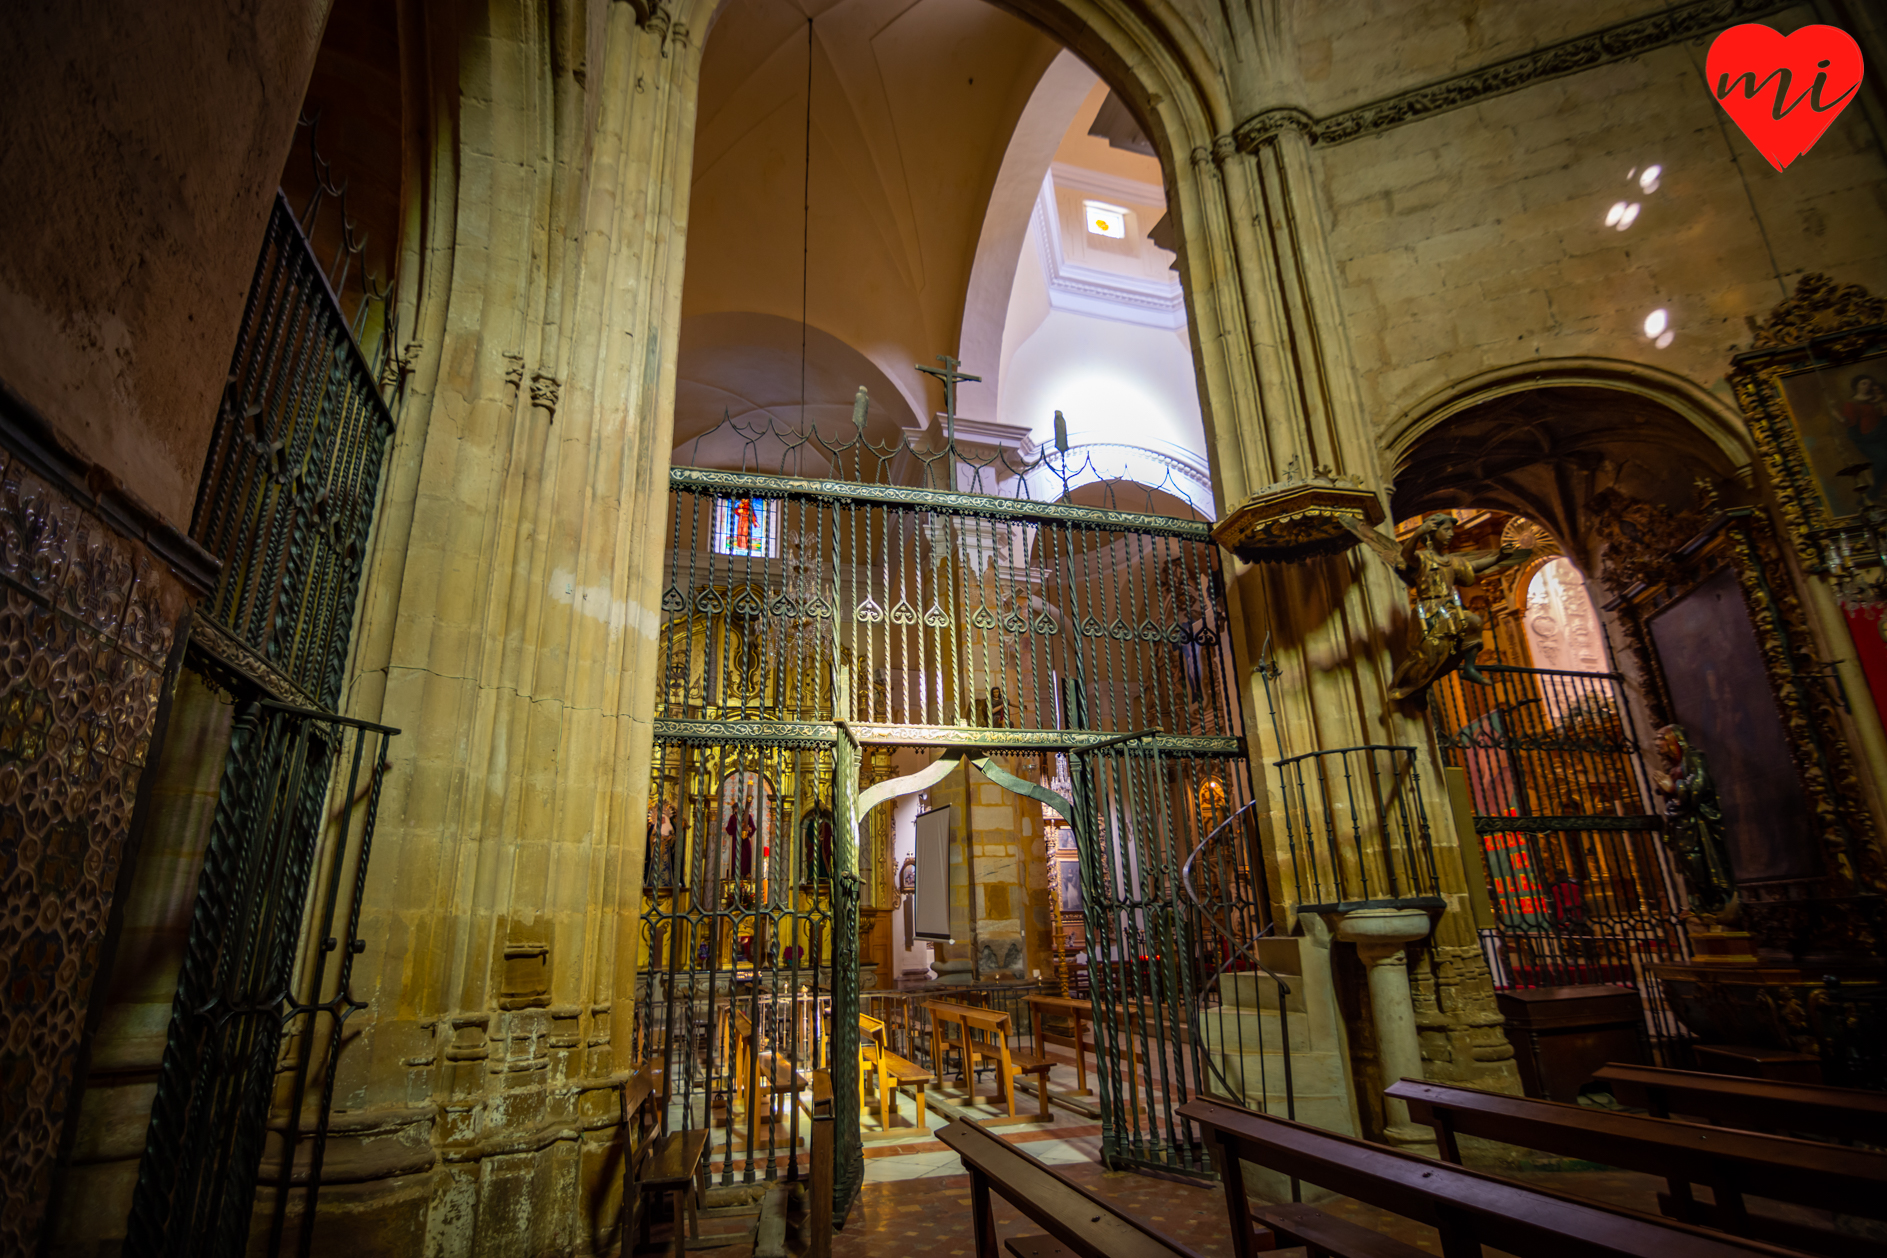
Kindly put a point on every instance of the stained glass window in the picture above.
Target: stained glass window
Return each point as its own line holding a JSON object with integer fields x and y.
{"x": 746, "y": 526}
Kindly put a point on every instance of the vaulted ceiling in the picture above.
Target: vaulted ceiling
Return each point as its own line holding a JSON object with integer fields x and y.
{"x": 914, "y": 104}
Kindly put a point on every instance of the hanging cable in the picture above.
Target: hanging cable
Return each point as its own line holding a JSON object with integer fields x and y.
{"x": 805, "y": 232}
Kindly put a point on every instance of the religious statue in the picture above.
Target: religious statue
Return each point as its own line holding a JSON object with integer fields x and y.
{"x": 657, "y": 865}
{"x": 1444, "y": 635}
{"x": 1693, "y": 826}
{"x": 815, "y": 843}
{"x": 740, "y": 831}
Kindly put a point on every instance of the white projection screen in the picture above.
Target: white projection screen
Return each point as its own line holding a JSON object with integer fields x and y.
{"x": 932, "y": 920}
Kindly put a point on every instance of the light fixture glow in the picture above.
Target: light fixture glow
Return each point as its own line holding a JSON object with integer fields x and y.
{"x": 1106, "y": 220}
{"x": 1628, "y": 216}
{"x": 1666, "y": 338}
{"x": 1650, "y": 179}
{"x": 1656, "y": 322}
{"x": 1614, "y": 214}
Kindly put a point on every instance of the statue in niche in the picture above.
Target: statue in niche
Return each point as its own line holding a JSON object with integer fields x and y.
{"x": 658, "y": 864}
{"x": 1445, "y": 635}
{"x": 1693, "y": 829}
{"x": 815, "y": 843}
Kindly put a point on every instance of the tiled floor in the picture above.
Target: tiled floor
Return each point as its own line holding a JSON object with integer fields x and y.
{"x": 915, "y": 1202}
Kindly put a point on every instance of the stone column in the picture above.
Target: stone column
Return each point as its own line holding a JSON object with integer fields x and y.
{"x": 1325, "y": 620}
{"x": 508, "y": 627}
{"x": 1379, "y": 936}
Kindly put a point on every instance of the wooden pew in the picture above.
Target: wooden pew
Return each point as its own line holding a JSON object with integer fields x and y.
{"x": 1470, "y": 1210}
{"x": 1733, "y": 1163}
{"x": 675, "y": 1164}
{"x": 770, "y": 1076}
{"x": 1846, "y": 1114}
{"x": 1075, "y": 1220}
{"x": 983, "y": 1035}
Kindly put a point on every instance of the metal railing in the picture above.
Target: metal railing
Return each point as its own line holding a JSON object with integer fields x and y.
{"x": 1228, "y": 1016}
{"x": 1581, "y": 888}
{"x": 255, "y": 974}
{"x": 1356, "y": 829}
{"x": 288, "y": 490}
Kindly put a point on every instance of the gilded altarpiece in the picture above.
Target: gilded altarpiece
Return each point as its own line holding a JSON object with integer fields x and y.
{"x": 1709, "y": 609}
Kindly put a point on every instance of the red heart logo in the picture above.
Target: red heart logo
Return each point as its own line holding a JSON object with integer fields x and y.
{"x": 1783, "y": 91}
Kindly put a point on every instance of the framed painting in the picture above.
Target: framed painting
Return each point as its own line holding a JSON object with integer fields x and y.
{"x": 1815, "y": 395}
{"x": 1839, "y": 416}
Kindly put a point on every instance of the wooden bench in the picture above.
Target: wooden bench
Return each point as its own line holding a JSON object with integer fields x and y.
{"x": 760, "y": 1074}
{"x": 983, "y": 1035}
{"x": 895, "y": 1073}
{"x": 1076, "y": 1221}
{"x": 674, "y": 1164}
{"x": 1732, "y": 1163}
{"x": 1781, "y": 1065}
{"x": 1847, "y": 1114}
{"x": 1469, "y": 1209}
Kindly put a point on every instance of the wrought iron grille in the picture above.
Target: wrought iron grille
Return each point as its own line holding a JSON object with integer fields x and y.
{"x": 953, "y": 612}
{"x": 270, "y": 954}
{"x": 739, "y": 944}
{"x": 1581, "y": 887}
{"x": 858, "y": 595}
{"x": 1169, "y": 988}
{"x": 288, "y": 489}
{"x": 1356, "y": 829}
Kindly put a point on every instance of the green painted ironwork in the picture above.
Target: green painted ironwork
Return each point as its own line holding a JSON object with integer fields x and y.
{"x": 878, "y": 604}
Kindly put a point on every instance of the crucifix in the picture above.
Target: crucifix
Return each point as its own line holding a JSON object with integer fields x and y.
{"x": 949, "y": 375}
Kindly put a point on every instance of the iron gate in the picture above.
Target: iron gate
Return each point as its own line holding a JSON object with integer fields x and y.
{"x": 913, "y": 595}
{"x": 1581, "y": 887}
{"x": 273, "y": 936}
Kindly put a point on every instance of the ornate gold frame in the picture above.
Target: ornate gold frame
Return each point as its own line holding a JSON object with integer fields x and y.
{"x": 1823, "y": 325}
{"x": 1846, "y": 899}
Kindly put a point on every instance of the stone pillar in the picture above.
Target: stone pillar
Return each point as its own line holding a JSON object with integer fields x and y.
{"x": 1294, "y": 448}
{"x": 1380, "y": 936}
{"x": 508, "y": 627}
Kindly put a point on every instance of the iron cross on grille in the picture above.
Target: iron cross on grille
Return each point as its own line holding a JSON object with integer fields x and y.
{"x": 949, "y": 374}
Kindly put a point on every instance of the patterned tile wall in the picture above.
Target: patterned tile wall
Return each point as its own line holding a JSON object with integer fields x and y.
{"x": 87, "y": 620}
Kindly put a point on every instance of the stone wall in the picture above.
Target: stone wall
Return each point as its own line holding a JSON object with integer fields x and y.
{"x": 1474, "y": 239}
{"x": 140, "y": 149}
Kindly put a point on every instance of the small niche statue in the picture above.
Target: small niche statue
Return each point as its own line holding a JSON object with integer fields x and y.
{"x": 1444, "y": 635}
{"x": 1693, "y": 827}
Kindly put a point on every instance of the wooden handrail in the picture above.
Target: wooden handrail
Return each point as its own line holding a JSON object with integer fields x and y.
{"x": 1087, "y": 1226}
{"x": 1468, "y": 1208}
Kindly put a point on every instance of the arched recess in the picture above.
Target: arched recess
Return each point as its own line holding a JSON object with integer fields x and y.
{"x": 1546, "y": 440}
{"x": 1053, "y": 104}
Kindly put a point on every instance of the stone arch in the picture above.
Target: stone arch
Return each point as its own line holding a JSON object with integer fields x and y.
{"x": 1543, "y": 440}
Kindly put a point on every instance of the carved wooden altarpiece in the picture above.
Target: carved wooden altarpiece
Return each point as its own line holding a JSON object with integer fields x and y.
{"x": 1818, "y": 893}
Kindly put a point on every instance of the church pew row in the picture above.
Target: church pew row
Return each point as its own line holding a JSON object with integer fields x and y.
{"x": 1847, "y": 1114}
{"x": 1076, "y": 1221}
{"x": 1731, "y": 1163}
{"x": 1468, "y": 1209}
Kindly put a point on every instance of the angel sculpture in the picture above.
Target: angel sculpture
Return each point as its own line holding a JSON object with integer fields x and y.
{"x": 1444, "y": 635}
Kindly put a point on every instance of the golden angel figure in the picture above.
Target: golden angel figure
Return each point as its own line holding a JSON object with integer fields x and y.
{"x": 1444, "y": 635}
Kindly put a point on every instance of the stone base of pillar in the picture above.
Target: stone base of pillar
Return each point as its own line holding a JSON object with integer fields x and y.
{"x": 1380, "y": 936}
